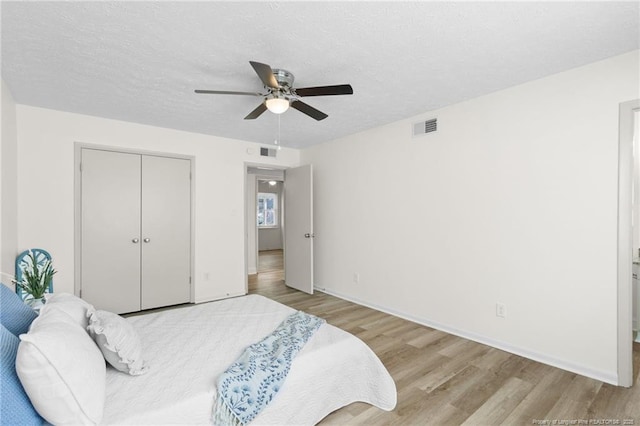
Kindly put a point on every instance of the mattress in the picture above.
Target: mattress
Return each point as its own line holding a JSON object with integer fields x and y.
{"x": 188, "y": 348}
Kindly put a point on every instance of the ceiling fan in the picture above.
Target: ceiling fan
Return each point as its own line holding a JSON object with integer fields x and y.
{"x": 280, "y": 94}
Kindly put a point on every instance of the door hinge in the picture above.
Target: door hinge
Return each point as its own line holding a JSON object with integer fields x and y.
{"x": 80, "y": 293}
{"x": 80, "y": 167}
{"x": 189, "y": 280}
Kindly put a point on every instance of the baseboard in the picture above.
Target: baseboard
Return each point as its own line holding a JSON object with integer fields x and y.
{"x": 603, "y": 376}
{"x": 211, "y": 298}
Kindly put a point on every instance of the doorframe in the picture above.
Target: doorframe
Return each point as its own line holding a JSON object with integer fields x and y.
{"x": 77, "y": 208}
{"x": 625, "y": 241}
{"x": 247, "y": 166}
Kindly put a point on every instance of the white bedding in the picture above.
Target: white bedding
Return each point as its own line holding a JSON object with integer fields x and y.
{"x": 187, "y": 348}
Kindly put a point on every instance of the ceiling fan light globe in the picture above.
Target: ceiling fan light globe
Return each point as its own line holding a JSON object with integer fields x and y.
{"x": 277, "y": 105}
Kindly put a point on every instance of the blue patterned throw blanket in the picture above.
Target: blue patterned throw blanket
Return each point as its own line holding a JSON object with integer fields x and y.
{"x": 251, "y": 382}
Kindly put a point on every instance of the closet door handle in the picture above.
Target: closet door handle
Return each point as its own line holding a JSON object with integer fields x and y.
{"x": 135, "y": 241}
{"x": 146, "y": 240}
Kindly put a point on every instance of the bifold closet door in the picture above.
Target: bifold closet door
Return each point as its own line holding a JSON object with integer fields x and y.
{"x": 166, "y": 231}
{"x": 110, "y": 265}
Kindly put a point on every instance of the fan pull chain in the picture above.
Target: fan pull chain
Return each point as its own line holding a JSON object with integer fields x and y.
{"x": 277, "y": 141}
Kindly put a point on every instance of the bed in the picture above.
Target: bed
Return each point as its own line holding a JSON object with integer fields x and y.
{"x": 186, "y": 349}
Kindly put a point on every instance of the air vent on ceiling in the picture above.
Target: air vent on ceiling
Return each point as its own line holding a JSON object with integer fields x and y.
{"x": 268, "y": 152}
{"x": 425, "y": 127}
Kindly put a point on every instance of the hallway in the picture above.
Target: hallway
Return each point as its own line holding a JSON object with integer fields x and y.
{"x": 270, "y": 276}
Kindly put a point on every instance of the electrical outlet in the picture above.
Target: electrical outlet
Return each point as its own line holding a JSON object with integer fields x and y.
{"x": 501, "y": 310}
{"x": 356, "y": 277}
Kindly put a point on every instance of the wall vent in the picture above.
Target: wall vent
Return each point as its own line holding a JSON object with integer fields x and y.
{"x": 425, "y": 127}
{"x": 268, "y": 152}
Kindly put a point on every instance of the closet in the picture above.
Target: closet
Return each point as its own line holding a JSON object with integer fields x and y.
{"x": 135, "y": 213}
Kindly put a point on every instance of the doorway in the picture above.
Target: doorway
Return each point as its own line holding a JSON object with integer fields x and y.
{"x": 270, "y": 234}
{"x": 258, "y": 180}
{"x": 279, "y": 216}
{"x": 270, "y": 223}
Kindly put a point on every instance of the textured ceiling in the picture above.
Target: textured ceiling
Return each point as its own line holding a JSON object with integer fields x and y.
{"x": 141, "y": 61}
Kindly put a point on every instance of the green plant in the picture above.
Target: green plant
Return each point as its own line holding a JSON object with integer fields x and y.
{"x": 36, "y": 277}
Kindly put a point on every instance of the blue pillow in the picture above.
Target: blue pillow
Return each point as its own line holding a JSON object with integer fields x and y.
{"x": 15, "y": 407}
{"x": 15, "y": 316}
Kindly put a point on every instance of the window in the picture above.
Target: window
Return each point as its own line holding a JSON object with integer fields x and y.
{"x": 267, "y": 210}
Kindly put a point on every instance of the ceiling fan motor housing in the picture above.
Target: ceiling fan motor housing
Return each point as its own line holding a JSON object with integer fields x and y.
{"x": 283, "y": 77}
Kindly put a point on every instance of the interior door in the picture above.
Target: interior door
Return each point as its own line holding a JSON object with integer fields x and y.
{"x": 110, "y": 253}
{"x": 298, "y": 217}
{"x": 166, "y": 231}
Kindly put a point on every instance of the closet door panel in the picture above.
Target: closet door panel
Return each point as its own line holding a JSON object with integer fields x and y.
{"x": 166, "y": 231}
{"x": 110, "y": 256}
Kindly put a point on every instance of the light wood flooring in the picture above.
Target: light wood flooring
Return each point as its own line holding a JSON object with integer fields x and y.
{"x": 442, "y": 379}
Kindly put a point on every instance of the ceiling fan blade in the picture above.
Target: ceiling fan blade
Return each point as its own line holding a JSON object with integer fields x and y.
{"x": 265, "y": 73}
{"x": 257, "y": 112}
{"x": 341, "y": 89}
{"x": 226, "y": 92}
{"x": 309, "y": 110}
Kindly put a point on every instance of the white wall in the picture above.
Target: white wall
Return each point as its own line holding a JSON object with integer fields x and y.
{"x": 8, "y": 186}
{"x": 513, "y": 200}
{"x": 46, "y": 168}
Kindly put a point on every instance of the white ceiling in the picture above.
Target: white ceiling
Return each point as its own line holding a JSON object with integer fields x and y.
{"x": 141, "y": 61}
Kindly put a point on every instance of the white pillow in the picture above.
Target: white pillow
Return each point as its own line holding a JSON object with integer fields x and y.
{"x": 72, "y": 305}
{"x": 62, "y": 370}
{"x": 118, "y": 341}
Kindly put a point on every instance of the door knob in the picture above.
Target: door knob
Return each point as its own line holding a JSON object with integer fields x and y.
{"x": 135, "y": 241}
{"x": 309, "y": 235}
{"x": 146, "y": 240}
